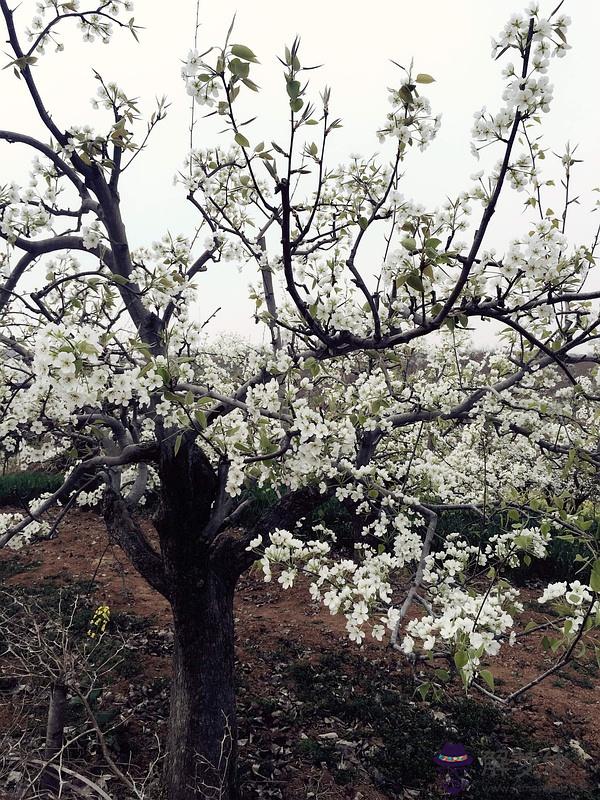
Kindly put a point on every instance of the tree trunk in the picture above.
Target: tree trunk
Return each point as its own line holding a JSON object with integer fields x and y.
{"x": 201, "y": 754}
{"x": 49, "y": 780}
{"x": 196, "y": 571}
{"x": 202, "y": 741}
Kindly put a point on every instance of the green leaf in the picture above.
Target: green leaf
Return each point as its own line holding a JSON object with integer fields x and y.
{"x": 522, "y": 541}
{"x": 239, "y": 68}
{"x": 406, "y": 95}
{"x": 293, "y": 89}
{"x": 119, "y": 279}
{"x": 22, "y": 62}
{"x": 164, "y": 373}
{"x": 487, "y": 677}
{"x": 178, "y": 443}
{"x": 250, "y": 84}
{"x": 461, "y": 659}
{"x": 296, "y": 104}
{"x": 241, "y": 51}
{"x": 172, "y": 398}
{"x": 87, "y": 348}
{"x": 595, "y": 576}
{"x": 423, "y": 690}
{"x": 561, "y": 35}
{"x": 415, "y": 282}
{"x": 423, "y": 77}
{"x": 241, "y": 140}
{"x": 243, "y": 448}
{"x": 409, "y": 243}
{"x": 363, "y": 223}
{"x": 271, "y": 169}
{"x": 201, "y": 417}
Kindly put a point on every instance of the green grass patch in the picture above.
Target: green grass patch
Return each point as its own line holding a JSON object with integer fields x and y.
{"x": 19, "y": 487}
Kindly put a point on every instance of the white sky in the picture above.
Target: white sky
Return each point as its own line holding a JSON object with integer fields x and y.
{"x": 354, "y": 41}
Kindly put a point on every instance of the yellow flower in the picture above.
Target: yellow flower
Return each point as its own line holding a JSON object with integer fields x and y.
{"x": 99, "y": 621}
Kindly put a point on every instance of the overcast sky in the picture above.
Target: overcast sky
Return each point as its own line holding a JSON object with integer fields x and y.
{"x": 354, "y": 42}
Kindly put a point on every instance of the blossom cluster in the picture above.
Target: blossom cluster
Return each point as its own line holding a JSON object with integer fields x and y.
{"x": 466, "y": 622}
{"x": 411, "y": 120}
{"x": 527, "y": 94}
{"x": 576, "y": 599}
{"x": 34, "y": 530}
{"x": 97, "y": 22}
{"x": 396, "y": 432}
{"x": 204, "y": 88}
{"x": 343, "y": 585}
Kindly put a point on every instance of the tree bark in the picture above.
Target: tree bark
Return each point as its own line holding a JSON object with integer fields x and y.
{"x": 202, "y": 739}
{"x": 201, "y": 757}
{"x": 49, "y": 780}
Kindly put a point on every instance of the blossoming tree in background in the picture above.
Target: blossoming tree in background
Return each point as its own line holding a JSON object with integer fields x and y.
{"x": 369, "y": 390}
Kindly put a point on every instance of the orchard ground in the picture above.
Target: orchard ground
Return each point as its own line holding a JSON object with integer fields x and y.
{"x": 319, "y": 716}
